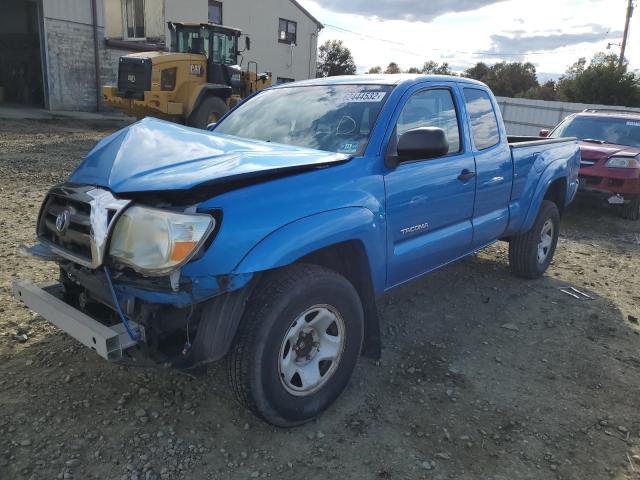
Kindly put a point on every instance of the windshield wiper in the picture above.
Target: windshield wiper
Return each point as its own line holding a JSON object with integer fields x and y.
{"x": 593, "y": 140}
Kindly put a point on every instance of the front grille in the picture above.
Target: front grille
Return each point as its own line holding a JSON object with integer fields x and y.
{"x": 76, "y": 237}
{"x": 134, "y": 77}
{"x": 75, "y": 222}
{"x": 589, "y": 180}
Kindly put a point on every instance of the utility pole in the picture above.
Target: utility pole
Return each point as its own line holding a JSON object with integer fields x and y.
{"x": 626, "y": 33}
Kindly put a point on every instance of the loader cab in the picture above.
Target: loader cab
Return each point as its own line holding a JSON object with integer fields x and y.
{"x": 217, "y": 43}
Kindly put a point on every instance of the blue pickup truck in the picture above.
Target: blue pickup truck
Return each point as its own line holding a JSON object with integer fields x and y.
{"x": 267, "y": 239}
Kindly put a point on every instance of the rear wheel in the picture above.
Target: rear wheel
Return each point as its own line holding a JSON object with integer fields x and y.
{"x": 297, "y": 344}
{"x": 531, "y": 253}
{"x": 210, "y": 110}
{"x": 631, "y": 210}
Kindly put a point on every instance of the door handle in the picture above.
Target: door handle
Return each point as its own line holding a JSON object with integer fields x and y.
{"x": 466, "y": 175}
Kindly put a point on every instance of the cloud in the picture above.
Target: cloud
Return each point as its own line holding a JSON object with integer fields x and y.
{"x": 409, "y": 10}
{"x": 521, "y": 43}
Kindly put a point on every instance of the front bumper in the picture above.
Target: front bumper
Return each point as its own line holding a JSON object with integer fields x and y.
{"x": 619, "y": 181}
{"x": 110, "y": 342}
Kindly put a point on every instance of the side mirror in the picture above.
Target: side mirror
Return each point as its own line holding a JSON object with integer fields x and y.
{"x": 544, "y": 132}
{"x": 422, "y": 143}
{"x": 247, "y": 43}
{"x": 211, "y": 126}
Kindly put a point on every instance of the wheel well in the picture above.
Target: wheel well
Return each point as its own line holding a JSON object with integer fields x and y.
{"x": 557, "y": 193}
{"x": 350, "y": 260}
{"x": 221, "y": 91}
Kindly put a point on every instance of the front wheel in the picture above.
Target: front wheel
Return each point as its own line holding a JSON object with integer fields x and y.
{"x": 631, "y": 209}
{"x": 297, "y": 344}
{"x": 531, "y": 253}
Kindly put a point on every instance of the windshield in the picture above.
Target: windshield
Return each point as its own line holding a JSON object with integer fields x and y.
{"x": 333, "y": 118}
{"x": 225, "y": 48}
{"x": 193, "y": 40}
{"x": 196, "y": 40}
{"x": 621, "y": 131}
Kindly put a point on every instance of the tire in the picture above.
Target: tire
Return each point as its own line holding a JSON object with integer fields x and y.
{"x": 531, "y": 253}
{"x": 261, "y": 348}
{"x": 631, "y": 210}
{"x": 210, "y": 110}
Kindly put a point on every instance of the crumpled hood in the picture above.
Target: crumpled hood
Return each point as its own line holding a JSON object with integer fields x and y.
{"x": 155, "y": 155}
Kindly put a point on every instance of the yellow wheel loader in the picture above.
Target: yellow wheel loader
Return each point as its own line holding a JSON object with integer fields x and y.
{"x": 194, "y": 84}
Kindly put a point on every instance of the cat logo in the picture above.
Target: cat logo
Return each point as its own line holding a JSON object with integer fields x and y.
{"x": 131, "y": 78}
{"x": 196, "y": 69}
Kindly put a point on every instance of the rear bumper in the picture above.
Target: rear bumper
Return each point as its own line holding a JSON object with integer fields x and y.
{"x": 109, "y": 342}
{"x": 154, "y": 103}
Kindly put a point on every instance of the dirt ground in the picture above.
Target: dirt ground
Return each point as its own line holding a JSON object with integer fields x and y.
{"x": 483, "y": 376}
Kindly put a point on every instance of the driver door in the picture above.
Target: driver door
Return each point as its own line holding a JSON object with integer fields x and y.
{"x": 429, "y": 201}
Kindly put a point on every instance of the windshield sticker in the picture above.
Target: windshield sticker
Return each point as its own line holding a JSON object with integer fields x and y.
{"x": 633, "y": 124}
{"x": 365, "y": 96}
{"x": 349, "y": 147}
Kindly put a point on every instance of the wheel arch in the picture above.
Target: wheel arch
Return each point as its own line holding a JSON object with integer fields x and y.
{"x": 551, "y": 186}
{"x": 347, "y": 240}
{"x": 206, "y": 90}
{"x": 557, "y": 193}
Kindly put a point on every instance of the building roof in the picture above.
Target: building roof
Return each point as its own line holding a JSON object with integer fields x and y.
{"x": 306, "y": 12}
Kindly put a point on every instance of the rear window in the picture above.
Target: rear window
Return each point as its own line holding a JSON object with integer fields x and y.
{"x": 484, "y": 125}
{"x": 605, "y": 129}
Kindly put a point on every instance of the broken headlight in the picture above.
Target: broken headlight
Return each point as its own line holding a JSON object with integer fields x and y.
{"x": 155, "y": 242}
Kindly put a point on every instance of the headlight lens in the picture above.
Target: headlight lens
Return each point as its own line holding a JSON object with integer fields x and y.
{"x": 622, "y": 162}
{"x": 155, "y": 241}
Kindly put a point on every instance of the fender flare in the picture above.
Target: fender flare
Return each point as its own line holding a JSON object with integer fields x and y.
{"x": 553, "y": 171}
{"x": 308, "y": 234}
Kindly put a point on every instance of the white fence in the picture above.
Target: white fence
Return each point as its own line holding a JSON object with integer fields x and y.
{"x": 526, "y": 117}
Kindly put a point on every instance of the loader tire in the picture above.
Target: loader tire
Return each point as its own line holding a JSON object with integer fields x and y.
{"x": 210, "y": 110}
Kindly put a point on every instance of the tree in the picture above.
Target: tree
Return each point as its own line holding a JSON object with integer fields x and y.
{"x": 392, "y": 68}
{"x": 432, "y": 68}
{"x": 376, "y": 69}
{"x": 334, "y": 58}
{"x": 478, "y": 72}
{"x": 547, "y": 91}
{"x": 507, "y": 79}
{"x": 602, "y": 81}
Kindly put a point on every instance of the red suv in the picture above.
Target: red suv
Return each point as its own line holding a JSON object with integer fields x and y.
{"x": 610, "y": 145}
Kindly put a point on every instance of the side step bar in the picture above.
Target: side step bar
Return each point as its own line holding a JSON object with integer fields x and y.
{"x": 108, "y": 342}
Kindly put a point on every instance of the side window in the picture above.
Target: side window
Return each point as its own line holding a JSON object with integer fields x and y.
{"x": 431, "y": 108}
{"x": 287, "y": 31}
{"x": 484, "y": 125}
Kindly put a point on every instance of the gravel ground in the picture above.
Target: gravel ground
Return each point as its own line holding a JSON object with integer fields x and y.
{"x": 482, "y": 375}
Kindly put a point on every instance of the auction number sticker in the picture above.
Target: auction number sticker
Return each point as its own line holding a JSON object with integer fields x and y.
{"x": 365, "y": 96}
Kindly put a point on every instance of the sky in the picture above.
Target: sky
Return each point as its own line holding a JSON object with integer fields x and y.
{"x": 551, "y": 34}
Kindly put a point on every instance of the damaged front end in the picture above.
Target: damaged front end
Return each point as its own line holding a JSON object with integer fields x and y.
{"x": 121, "y": 289}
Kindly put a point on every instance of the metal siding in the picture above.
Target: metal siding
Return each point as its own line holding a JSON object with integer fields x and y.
{"x": 526, "y": 117}
{"x": 78, "y": 11}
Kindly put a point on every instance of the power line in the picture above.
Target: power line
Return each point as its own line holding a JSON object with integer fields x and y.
{"x": 497, "y": 54}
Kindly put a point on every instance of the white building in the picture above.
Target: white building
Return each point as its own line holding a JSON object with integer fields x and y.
{"x": 284, "y": 36}
{"x": 58, "y": 53}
